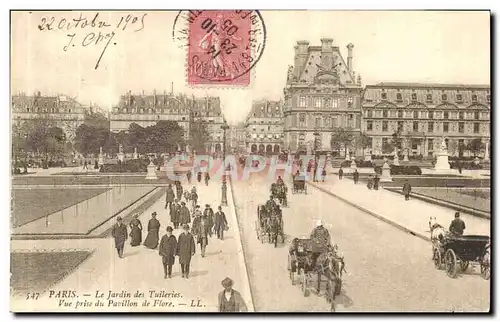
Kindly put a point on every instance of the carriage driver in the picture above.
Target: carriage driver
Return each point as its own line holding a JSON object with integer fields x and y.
{"x": 279, "y": 181}
{"x": 320, "y": 238}
{"x": 270, "y": 204}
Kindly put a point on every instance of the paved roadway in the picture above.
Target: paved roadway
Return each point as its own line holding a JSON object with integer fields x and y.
{"x": 388, "y": 270}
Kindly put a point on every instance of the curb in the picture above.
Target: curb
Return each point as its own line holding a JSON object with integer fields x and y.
{"x": 380, "y": 217}
{"x": 241, "y": 254}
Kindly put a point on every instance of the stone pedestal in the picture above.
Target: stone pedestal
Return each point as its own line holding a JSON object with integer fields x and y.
{"x": 151, "y": 175}
{"x": 121, "y": 156}
{"x": 442, "y": 161}
{"x": 347, "y": 154}
{"x": 368, "y": 156}
{"x": 353, "y": 163}
{"x": 405, "y": 158}
{"x": 101, "y": 160}
{"x": 386, "y": 173}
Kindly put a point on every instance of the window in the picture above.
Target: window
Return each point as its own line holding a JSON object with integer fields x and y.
{"x": 446, "y": 115}
{"x": 414, "y": 144}
{"x": 302, "y": 101}
{"x": 327, "y": 122}
{"x": 369, "y": 113}
{"x": 415, "y": 126}
{"x": 415, "y": 114}
{"x": 369, "y": 125}
{"x": 445, "y": 127}
{"x": 430, "y": 144}
{"x": 383, "y": 96}
{"x": 302, "y": 117}
{"x": 328, "y": 102}
{"x": 414, "y": 96}
{"x": 384, "y": 126}
{"x": 459, "y": 97}
{"x": 269, "y": 128}
{"x": 335, "y": 103}
{"x": 69, "y": 111}
{"x": 400, "y": 114}
{"x": 444, "y": 97}
{"x": 461, "y": 127}
{"x": 400, "y": 125}
{"x": 429, "y": 98}
{"x": 460, "y": 115}
{"x": 350, "y": 100}
{"x": 431, "y": 114}
{"x": 385, "y": 143}
{"x": 384, "y": 113}
{"x": 476, "y": 115}
{"x": 474, "y": 98}
{"x": 142, "y": 110}
{"x": 28, "y": 109}
{"x": 399, "y": 97}
{"x": 476, "y": 127}
{"x": 430, "y": 127}
{"x": 370, "y": 143}
{"x": 317, "y": 122}
{"x": 317, "y": 102}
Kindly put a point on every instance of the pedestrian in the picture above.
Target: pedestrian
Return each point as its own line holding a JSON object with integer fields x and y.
{"x": 96, "y": 165}
{"x": 167, "y": 251}
{"x": 186, "y": 249}
{"x": 188, "y": 175}
{"x": 184, "y": 215}
{"x": 197, "y": 211}
{"x": 407, "y": 190}
{"x": 341, "y": 173}
{"x": 135, "y": 231}
{"x": 220, "y": 223}
{"x": 199, "y": 176}
{"x": 170, "y": 196}
{"x": 85, "y": 165}
{"x": 323, "y": 175}
{"x": 231, "y": 300}
{"x": 207, "y": 178}
{"x": 178, "y": 189}
{"x": 153, "y": 232}
{"x": 200, "y": 230}
{"x": 174, "y": 213}
{"x": 194, "y": 198}
{"x": 210, "y": 218}
{"x": 119, "y": 233}
{"x": 355, "y": 176}
{"x": 370, "y": 183}
{"x": 376, "y": 180}
{"x": 457, "y": 225}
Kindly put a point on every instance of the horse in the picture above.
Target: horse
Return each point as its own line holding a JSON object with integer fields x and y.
{"x": 274, "y": 229}
{"x": 437, "y": 234}
{"x": 332, "y": 266}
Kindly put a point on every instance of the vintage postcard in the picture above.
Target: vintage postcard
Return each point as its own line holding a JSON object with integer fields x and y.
{"x": 250, "y": 161}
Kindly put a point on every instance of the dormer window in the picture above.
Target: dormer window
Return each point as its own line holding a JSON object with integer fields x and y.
{"x": 413, "y": 97}
{"x": 399, "y": 97}
{"x": 350, "y": 100}
{"x": 429, "y": 98}
{"x": 383, "y": 96}
{"x": 459, "y": 97}
{"x": 474, "y": 98}
{"x": 444, "y": 97}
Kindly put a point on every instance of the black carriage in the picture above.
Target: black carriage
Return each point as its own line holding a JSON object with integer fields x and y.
{"x": 301, "y": 263}
{"x": 299, "y": 184}
{"x": 279, "y": 191}
{"x": 269, "y": 224}
{"x": 455, "y": 251}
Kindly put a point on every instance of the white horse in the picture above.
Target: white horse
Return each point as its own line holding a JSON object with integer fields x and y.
{"x": 437, "y": 233}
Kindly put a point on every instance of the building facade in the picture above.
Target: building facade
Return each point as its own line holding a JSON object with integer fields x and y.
{"x": 65, "y": 112}
{"x": 147, "y": 110}
{"x": 237, "y": 137}
{"x": 424, "y": 114}
{"x": 264, "y": 128}
{"x": 321, "y": 96}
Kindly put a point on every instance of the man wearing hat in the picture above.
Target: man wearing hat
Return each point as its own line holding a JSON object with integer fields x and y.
{"x": 197, "y": 211}
{"x": 179, "y": 189}
{"x": 167, "y": 250}
{"x": 229, "y": 299}
{"x": 457, "y": 225}
{"x": 200, "y": 230}
{"x": 119, "y": 233}
{"x": 184, "y": 215}
{"x": 320, "y": 240}
{"x": 185, "y": 250}
{"x": 209, "y": 214}
{"x": 174, "y": 213}
{"x": 169, "y": 198}
{"x": 220, "y": 223}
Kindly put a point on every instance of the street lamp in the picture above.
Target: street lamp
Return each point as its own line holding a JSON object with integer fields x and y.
{"x": 224, "y": 127}
{"x": 316, "y": 156}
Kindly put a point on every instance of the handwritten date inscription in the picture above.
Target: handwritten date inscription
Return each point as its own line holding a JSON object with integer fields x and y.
{"x": 92, "y": 31}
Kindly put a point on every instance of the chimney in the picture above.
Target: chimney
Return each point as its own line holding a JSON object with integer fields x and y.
{"x": 349, "y": 57}
{"x": 326, "y": 45}
{"x": 301, "y": 54}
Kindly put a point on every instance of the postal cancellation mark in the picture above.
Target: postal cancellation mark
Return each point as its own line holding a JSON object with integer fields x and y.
{"x": 222, "y": 45}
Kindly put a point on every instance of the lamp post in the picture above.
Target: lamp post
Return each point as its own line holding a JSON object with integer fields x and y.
{"x": 316, "y": 156}
{"x": 224, "y": 127}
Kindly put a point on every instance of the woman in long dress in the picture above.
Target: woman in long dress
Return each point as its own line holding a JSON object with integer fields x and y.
{"x": 135, "y": 231}
{"x": 153, "y": 232}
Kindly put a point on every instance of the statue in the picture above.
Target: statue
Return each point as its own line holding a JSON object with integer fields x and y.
{"x": 290, "y": 74}
{"x": 120, "y": 148}
{"x": 100, "y": 150}
{"x": 443, "y": 145}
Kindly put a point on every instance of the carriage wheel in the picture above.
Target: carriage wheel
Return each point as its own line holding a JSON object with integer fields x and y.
{"x": 485, "y": 271}
{"x": 438, "y": 261}
{"x": 304, "y": 282}
{"x": 464, "y": 265}
{"x": 451, "y": 263}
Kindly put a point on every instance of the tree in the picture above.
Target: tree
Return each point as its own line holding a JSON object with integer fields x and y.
{"x": 364, "y": 141}
{"x": 96, "y": 119}
{"x": 475, "y": 146}
{"x": 453, "y": 147}
{"x": 164, "y": 136}
{"x": 42, "y": 135}
{"x": 89, "y": 139}
{"x": 342, "y": 138}
{"x": 198, "y": 135}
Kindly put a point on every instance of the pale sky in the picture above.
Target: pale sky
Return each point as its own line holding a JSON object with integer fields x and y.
{"x": 411, "y": 46}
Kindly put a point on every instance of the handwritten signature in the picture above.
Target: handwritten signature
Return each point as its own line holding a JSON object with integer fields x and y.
{"x": 94, "y": 37}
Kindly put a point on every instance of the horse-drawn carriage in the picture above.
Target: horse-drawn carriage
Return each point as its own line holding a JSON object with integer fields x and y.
{"x": 301, "y": 262}
{"x": 454, "y": 251}
{"x": 299, "y": 184}
{"x": 269, "y": 224}
{"x": 279, "y": 191}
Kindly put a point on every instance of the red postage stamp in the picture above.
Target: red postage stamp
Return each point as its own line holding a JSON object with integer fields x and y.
{"x": 223, "y": 46}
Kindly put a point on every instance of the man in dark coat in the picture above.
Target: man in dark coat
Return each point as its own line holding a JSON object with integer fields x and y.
{"x": 152, "y": 238}
{"x": 407, "y": 190}
{"x": 170, "y": 197}
{"x": 194, "y": 198}
{"x": 200, "y": 230}
{"x": 167, "y": 250}
{"x": 184, "y": 215}
{"x": 186, "y": 249}
{"x": 207, "y": 178}
{"x": 355, "y": 176}
{"x": 457, "y": 226}
{"x": 341, "y": 173}
{"x": 174, "y": 213}
{"x": 119, "y": 233}
{"x": 209, "y": 213}
{"x": 320, "y": 241}
{"x": 231, "y": 300}
{"x": 189, "y": 175}
{"x": 220, "y": 223}
{"x": 179, "y": 189}
{"x": 376, "y": 180}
